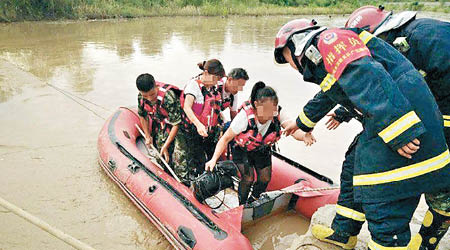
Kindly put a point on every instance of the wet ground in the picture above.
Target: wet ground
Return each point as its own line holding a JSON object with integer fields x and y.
{"x": 48, "y": 154}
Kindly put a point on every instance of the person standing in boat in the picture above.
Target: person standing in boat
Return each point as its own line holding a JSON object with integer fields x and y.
{"x": 401, "y": 152}
{"x": 233, "y": 83}
{"x": 160, "y": 114}
{"x": 255, "y": 129}
{"x": 201, "y": 102}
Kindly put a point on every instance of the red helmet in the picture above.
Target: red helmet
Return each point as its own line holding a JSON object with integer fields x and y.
{"x": 368, "y": 16}
{"x": 285, "y": 33}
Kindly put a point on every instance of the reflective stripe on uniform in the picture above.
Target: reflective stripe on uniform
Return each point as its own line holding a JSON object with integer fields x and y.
{"x": 401, "y": 125}
{"x": 446, "y": 121}
{"x": 404, "y": 173}
{"x": 441, "y": 212}
{"x": 305, "y": 120}
{"x": 365, "y": 36}
{"x": 350, "y": 213}
{"x": 375, "y": 246}
{"x": 327, "y": 82}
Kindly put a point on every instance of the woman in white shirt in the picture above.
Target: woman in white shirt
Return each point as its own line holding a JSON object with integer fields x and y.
{"x": 255, "y": 129}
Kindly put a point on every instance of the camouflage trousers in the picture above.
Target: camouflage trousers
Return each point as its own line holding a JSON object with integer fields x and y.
{"x": 177, "y": 152}
{"x": 440, "y": 202}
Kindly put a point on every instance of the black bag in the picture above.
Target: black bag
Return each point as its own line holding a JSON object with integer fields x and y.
{"x": 211, "y": 183}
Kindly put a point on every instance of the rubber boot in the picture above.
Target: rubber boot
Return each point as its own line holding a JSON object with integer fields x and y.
{"x": 327, "y": 234}
{"x": 434, "y": 226}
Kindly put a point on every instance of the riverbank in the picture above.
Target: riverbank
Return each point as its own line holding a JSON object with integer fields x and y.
{"x": 17, "y": 10}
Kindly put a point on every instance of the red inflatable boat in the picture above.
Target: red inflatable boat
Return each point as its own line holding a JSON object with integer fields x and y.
{"x": 172, "y": 207}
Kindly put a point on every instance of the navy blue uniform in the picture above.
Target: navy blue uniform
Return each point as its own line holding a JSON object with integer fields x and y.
{"x": 397, "y": 107}
{"x": 426, "y": 43}
{"x": 429, "y": 50}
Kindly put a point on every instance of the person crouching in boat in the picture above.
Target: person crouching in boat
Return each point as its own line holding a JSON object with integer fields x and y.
{"x": 255, "y": 129}
{"x": 201, "y": 119}
{"x": 160, "y": 112}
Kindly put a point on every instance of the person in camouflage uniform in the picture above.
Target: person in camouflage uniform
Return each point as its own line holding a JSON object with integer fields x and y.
{"x": 435, "y": 223}
{"x": 160, "y": 112}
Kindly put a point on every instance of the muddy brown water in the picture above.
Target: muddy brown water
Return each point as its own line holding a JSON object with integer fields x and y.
{"x": 48, "y": 155}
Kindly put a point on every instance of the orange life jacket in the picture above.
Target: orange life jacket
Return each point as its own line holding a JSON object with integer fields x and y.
{"x": 156, "y": 111}
{"x": 226, "y": 102}
{"x": 209, "y": 114}
{"x": 251, "y": 139}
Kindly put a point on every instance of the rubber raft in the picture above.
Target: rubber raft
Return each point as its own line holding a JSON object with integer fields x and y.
{"x": 172, "y": 207}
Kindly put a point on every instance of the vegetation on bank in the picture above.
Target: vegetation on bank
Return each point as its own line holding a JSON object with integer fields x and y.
{"x": 19, "y": 10}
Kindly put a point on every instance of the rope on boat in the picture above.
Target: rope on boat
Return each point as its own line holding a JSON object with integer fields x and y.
{"x": 302, "y": 190}
{"x": 45, "y": 226}
{"x": 313, "y": 189}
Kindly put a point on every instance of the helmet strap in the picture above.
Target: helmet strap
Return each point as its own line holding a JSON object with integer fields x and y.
{"x": 389, "y": 16}
{"x": 291, "y": 47}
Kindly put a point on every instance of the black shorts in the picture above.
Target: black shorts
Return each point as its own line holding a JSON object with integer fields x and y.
{"x": 258, "y": 159}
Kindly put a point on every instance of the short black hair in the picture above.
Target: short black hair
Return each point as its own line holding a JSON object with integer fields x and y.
{"x": 145, "y": 82}
{"x": 238, "y": 73}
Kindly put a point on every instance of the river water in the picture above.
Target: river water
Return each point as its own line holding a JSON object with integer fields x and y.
{"x": 48, "y": 155}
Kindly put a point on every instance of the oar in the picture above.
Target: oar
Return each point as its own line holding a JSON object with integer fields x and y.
{"x": 148, "y": 151}
{"x": 160, "y": 157}
{"x": 301, "y": 190}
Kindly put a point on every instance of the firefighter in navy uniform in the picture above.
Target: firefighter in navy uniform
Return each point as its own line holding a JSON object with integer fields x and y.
{"x": 426, "y": 43}
{"x": 401, "y": 152}
{"x": 349, "y": 214}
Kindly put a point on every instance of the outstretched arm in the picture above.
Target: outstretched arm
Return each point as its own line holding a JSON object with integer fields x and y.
{"x": 299, "y": 135}
{"x": 220, "y": 147}
{"x": 311, "y": 113}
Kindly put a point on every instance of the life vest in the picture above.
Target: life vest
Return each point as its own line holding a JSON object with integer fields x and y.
{"x": 251, "y": 139}
{"x": 209, "y": 114}
{"x": 156, "y": 111}
{"x": 226, "y": 102}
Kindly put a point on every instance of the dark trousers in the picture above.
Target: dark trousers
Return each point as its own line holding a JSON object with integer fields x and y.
{"x": 199, "y": 150}
{"x": 349, "y": 214}
{"x": 389, "y": 222}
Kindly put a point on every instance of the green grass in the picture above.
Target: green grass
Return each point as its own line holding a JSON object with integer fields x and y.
{"x": 20, "y": 10}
